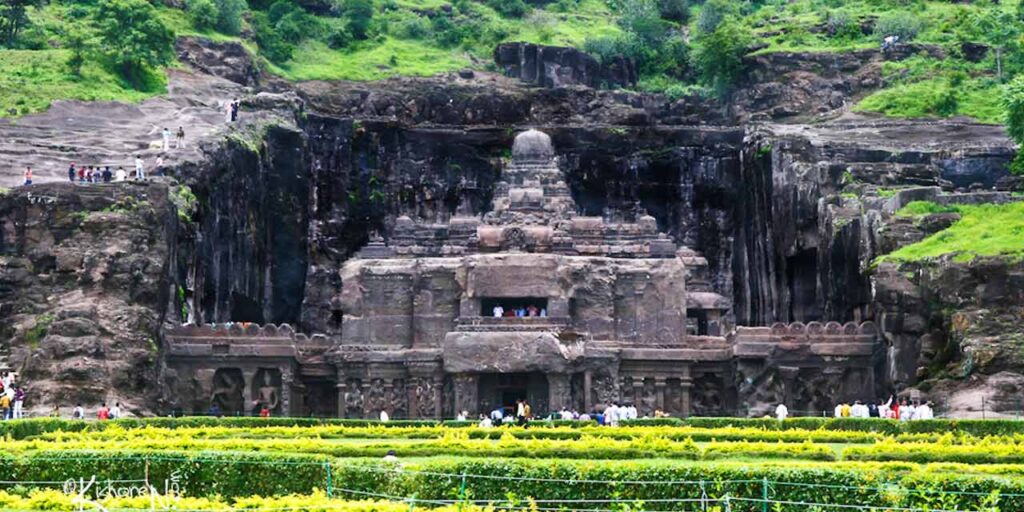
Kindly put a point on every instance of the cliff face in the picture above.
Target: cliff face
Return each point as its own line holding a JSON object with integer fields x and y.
{"x": 789, "y": 217}
{"x": 84, "y": 290}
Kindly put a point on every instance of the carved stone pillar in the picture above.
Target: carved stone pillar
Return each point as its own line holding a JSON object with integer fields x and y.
{"x": 558, "y": 391}
{"x": 637, "y": 393}
{"x": 438, "y": 396}
{"x": 685, "y": 390}
{"x": 588, "y": 396}
{"x": 287, "y": 379}
{"x": 342, "y": 390}
{"x": 659, "y": 393}
{"x": 367, "y": 402}
{"x": 466, "y": 393}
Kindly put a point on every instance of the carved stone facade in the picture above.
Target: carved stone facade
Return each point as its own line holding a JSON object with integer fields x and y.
{"x": 607, "y": 310}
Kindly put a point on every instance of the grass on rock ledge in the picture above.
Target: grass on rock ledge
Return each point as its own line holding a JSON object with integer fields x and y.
{"x": 983, "y": 230}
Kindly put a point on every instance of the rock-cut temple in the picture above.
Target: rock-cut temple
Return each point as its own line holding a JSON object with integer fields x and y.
{"x": 529, "y": 301}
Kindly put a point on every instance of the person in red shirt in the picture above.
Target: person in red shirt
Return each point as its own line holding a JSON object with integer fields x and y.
{"x": 104, "y": 413}
{"x": 264, "y": 412}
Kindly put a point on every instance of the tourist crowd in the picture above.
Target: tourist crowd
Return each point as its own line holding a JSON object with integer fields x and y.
{"x": 104, "y": 174}
{"x": 12, "y": 397}
{"x": 499, "y": 311}
{"x": 610, "y": 415}
{"x": 904, "y": 410}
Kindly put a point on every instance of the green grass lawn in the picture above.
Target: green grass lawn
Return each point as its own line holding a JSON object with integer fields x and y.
{"x": 983, "y": 230}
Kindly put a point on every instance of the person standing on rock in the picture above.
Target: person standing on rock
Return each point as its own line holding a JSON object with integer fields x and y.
{"x": 5, "y": 406}
{"x": 140, "y": 172}
{"x": 19, "y": 401}
{"x": 179, "y": 140}
{"x": 234, "y": 110}
{"x": 115, "y": 411}
{"x": 166, "y": 135}
{"x": 121, "y": 174}
{"x": 107, "y": 175}
{"x": 104, "y": 413}
{"x": 229, "y": 112}
{"x": 71, "y": 173}
{"x": 28, "y": 175}
{"x": 78, "y": 413}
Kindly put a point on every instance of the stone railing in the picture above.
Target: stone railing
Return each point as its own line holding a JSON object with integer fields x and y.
{"x": 243, "y": 332}
{"x": 813, "y": 331}
{"x": 512, "y": 323}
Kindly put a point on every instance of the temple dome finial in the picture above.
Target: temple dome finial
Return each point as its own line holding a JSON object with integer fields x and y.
{"x": 532, "y": 145}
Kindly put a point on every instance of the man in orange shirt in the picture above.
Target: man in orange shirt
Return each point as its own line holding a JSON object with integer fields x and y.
{"x": 104, "y": 413}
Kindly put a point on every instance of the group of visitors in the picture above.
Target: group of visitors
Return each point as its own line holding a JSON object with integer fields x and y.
{"x": 499, "y": 311}
{"x": 904, "y": 410}
{"x": 12, "y": 397}
{"x": 610, "y": 415}
{"x": 104, "y": 413}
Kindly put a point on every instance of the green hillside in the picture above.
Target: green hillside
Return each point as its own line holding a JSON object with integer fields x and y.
{"x": 113, "y": 49}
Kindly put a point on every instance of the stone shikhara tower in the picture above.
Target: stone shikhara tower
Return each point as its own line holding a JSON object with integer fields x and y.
{"x": 528, "y": 301}
{"x": 613, "y": 317}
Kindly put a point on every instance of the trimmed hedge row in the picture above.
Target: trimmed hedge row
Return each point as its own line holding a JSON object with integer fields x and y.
{"x": 22, "y": 429}
{"x": 975, "y": 427}
{"x": 228, "y": 474}
{"x": 437, "y": 432}
{"x": 881, "y": 485}
{"x": 590, "y": 448}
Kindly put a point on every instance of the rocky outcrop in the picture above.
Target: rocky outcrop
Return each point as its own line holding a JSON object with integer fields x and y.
{"x": 803, "y": 86}
{"x": 227, "y": 60}
{"x": 955, "y": 328}
{"x": 84, "y": 291}
{"x": 557, "y": 66}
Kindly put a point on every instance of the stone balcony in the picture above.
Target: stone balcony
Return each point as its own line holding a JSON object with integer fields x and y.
{"x": 511, "y": 324}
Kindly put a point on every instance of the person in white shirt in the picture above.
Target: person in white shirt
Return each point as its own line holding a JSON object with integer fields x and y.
{"x": 384, "y": 416}
{"x": 140, "y": 172}
{"x": 612, "y": 415}
{"x": 120, "y": 175}
{"x": 859, "y": 410}
{"x": 462, "y": 416}
{"x": 631, "y": 412}
{"x": 78, "y": 413}
{"x": 924, "y": 412}
{"x": 498, "y": 311}
{"x": 907, "y": 412}
{"x": 781, "y": 412}
{"x": 839, "y": 411}
{"x": 167, "y": 139}
{"x": 485, "y": 422}
{"x": 115, "y": 411}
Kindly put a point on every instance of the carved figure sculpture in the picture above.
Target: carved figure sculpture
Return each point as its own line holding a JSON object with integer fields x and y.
{"x": 268, "y": 394}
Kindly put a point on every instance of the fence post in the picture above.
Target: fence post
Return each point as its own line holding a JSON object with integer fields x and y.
{"x": 330, "y": 483}
{"x": 764, "y": 494}
{"x": 728, "y": 507}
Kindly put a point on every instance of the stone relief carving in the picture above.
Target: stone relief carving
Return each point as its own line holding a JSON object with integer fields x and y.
{"x": 353, "y": 399}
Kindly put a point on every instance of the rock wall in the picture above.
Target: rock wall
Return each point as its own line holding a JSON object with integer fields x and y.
{"x": 84, "y": 291}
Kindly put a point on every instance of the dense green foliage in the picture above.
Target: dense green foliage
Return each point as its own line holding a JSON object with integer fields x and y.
{"x": 681, "y": 47}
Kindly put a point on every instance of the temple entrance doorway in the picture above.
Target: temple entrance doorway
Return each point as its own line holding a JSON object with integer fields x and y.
{"x": 504, "y": 389}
